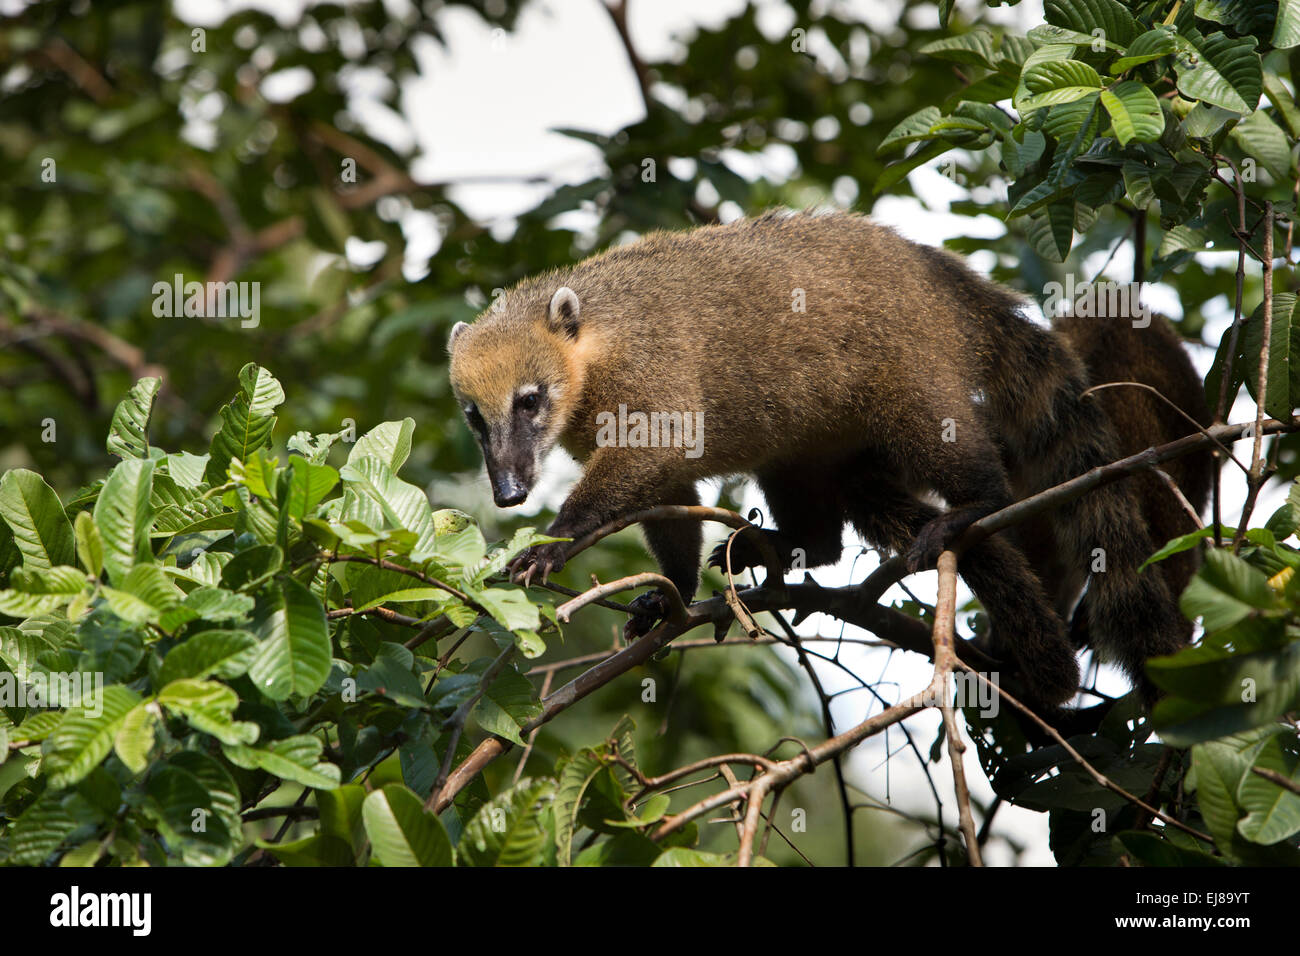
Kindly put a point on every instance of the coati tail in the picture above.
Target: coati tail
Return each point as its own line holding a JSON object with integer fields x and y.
{"x": 1113, "y": 350}
{"x": 1129, "y": 616}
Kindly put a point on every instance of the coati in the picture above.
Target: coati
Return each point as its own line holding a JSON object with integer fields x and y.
{"x": 851, "y": 372}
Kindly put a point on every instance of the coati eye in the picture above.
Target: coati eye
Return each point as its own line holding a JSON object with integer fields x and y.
{"x": 529, "y": 402}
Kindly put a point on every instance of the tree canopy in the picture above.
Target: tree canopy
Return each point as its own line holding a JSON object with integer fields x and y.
{"x": 235, "y": 627}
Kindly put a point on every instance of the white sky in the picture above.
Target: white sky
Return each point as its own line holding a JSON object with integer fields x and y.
{"x": 485, "y": 106}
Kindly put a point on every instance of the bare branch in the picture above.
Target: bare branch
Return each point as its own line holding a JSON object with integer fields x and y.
{"x": 1255, "y": 479}
{"x": 945, "y": 659}
{"x": 676, "y": 609}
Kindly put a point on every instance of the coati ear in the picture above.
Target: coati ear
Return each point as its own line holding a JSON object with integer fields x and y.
{"x": 562, "y": 314}
{"x": 456, "y": 329}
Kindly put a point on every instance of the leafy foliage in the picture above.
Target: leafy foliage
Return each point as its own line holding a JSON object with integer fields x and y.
{"x": 264, "y": 614}
{"x": 229, "y": 658}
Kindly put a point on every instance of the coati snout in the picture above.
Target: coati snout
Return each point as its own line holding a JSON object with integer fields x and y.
{"x": 510, "y": 443}
{"x": 835, "y": 362}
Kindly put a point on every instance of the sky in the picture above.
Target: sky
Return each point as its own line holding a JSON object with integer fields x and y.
{"x": 482, "y": 114}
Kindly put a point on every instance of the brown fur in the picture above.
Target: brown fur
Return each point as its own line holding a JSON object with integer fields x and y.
{"x": 1114, "y": 351}
{"x": 839, "y": 411}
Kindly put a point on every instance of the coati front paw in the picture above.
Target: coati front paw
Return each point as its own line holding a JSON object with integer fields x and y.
{"x": 745, "y": 553}
{"x": 539, "y": 561}
{"x": 648, "y": 609}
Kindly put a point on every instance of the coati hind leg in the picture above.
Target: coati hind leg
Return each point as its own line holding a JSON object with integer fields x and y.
{"x": 804, "y": 504}
{"x": 676, "y": 546}
{"x": 1025, "y": 626}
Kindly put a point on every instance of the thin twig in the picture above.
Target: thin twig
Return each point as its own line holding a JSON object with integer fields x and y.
{"x": 945, "y": 659}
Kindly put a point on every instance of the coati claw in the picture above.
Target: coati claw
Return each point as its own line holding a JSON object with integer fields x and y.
{"x": 648, "y": 609}
{"x": 744, "y": 555}
{"x": 538, "y": 561}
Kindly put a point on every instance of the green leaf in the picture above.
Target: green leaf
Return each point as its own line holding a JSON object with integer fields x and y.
{"x": 223, "y": 792}
{"x": 1215, "y": 691}
{"x": 90, "y": 546}
{"x": 188, "y": 816}
{"x": 625, "y": 849}
{"x": 1084, "y": 16}
{"x": 1134, "y": 112}
{"x": 401, "y": 832}
{"x": 393, "y": 675}
{"x": 209, "y": 707}
{"x": 1138, "y": 185}
{"x": 36, "y": 517}
{"x": 61, "y": 579}
{"x": 294, "y": 758}
{"x": 1219, "y": 766}
{"x": 123, "y": 515}
{"x": 186, "y": 469}
{"x": 463, "y": 549}
{"x": 294, "y": 654}
{"x": 308, "y": 486}
{"x": 340, "y": 812}
{"x": 321, "y": 849}
{"x": 128, "y": 437}
{"x": 252, "y": 567}
{"x": 1051, "y": 231}
{"x": 85, "y": 737}
{"x": 1226, "y": 590}
{"x": 974, "y": 48}
{"x": 374, "y": 494}
{"x": 1056, "y": 81}
{"x": 218, "y": 604}
{"x": 1286, "y": 29}
{"x": 44, "y": 825}
{"x": 390, "y": 442}
{"x": 246, "y": 423}
{"x": 1283, "y": 346}
{"x": 576, "y": 776}
{"x": 1153, "y": 850}
{"x": 135, "y": 738}
{"x": 1049, "y": 33}
{"x": 507, "y": 705}
{"x": 1184, "y": 543}
{"x": 1149, "y": 46}
{"x": 1273, "y": 812}
{"x": 145, "y": 595}
{"x": 895, "y": 172}
{"x": 314, "y": 448}
{"x": 511, "y": 830}
{"x": 257, "y": 474}
{"x": 221, "y": 653}
{"x": 1263, "y": 140}
{"x": 39, "y": 725}
{"x": 682, "y": 856}
{"x": 509, "y": 607}
{"x": 1219, "y": 70}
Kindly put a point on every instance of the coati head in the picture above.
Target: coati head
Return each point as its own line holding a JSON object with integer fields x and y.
{"x": 515, "y": 376}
